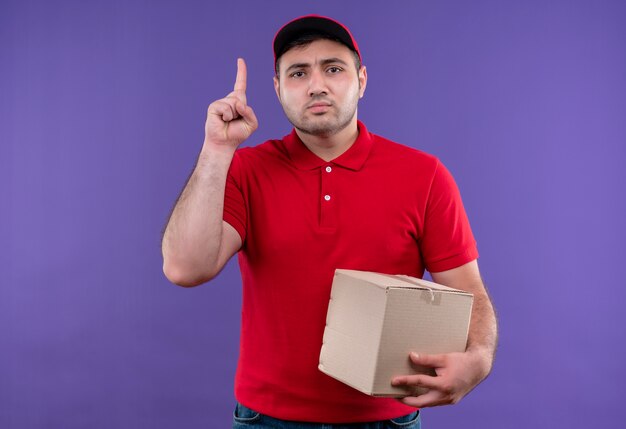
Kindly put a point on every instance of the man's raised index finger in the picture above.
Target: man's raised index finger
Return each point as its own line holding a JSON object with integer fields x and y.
{"x": 242, "y": 75}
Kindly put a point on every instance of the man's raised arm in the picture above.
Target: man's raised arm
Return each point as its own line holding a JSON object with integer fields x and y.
{"x": 197, "y": 242}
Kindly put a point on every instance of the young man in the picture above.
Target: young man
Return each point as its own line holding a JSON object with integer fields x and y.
{"x": 329, "y": 195}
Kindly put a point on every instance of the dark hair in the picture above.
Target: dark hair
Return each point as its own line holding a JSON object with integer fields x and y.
{"x": 308, "y": 38}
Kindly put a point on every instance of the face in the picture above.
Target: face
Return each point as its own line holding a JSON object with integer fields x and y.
{"x": 319, "y": 87}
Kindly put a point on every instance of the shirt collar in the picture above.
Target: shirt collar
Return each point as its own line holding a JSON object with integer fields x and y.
{"x": 353, "y": 158}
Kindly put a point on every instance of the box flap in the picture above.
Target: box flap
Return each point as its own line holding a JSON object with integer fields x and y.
{"x": 398, "y": 281}
{"x": 425, "y": 284}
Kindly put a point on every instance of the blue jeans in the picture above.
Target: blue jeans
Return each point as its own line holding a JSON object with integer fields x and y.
{"x": 245, "y": 418}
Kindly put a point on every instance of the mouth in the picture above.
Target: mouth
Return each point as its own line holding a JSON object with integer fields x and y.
{"x": 319, "y": 107}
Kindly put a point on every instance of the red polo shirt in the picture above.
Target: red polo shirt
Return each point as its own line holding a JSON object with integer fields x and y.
{"x": 380, "y": 206}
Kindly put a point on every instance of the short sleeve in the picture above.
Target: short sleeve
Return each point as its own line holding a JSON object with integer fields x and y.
{"x": 447, "y": 240}
{"x": 235, "y": 210}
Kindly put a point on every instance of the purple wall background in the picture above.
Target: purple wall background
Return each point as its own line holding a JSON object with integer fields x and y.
{"x": 102, "y": 108}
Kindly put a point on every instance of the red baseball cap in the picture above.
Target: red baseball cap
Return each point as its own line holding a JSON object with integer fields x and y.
{"x": 313, "y": 23}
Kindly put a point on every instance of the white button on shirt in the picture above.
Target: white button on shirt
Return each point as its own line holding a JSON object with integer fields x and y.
{"x": 327, "y": 197}
{"x": 329, "y": 169}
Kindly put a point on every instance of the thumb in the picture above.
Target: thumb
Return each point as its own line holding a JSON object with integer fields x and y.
{"x": 433, "y": 361}
{"x": 247, "y": 114}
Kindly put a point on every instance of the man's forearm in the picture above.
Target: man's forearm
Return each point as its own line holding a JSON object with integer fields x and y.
{"x": 483, "y": 331}
{"x": 193, "y": 235}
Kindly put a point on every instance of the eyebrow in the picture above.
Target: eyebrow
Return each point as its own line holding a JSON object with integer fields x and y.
{"x": 323, "y": 62}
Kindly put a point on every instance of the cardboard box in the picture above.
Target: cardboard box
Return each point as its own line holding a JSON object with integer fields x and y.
{"x": 375, "y": 320}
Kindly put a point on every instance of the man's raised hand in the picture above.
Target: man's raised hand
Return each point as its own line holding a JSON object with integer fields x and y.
{"x": 230, "y": 120}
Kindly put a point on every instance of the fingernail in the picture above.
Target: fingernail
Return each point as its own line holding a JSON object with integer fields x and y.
{"x": 415, "y": 355}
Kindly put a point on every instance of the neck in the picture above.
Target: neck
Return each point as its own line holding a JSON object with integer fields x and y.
{"x": 329, "y": 147}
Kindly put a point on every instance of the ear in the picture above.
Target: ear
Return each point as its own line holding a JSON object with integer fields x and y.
{"x": 362, "y": 81}
{"x": 277, "y": 87}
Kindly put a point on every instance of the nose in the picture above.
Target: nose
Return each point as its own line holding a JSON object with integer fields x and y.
{"x": 317, "y": 83}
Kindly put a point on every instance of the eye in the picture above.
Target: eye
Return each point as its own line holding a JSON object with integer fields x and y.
{"x": 297, "y": 74}
{"x": 334, "y": 69}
